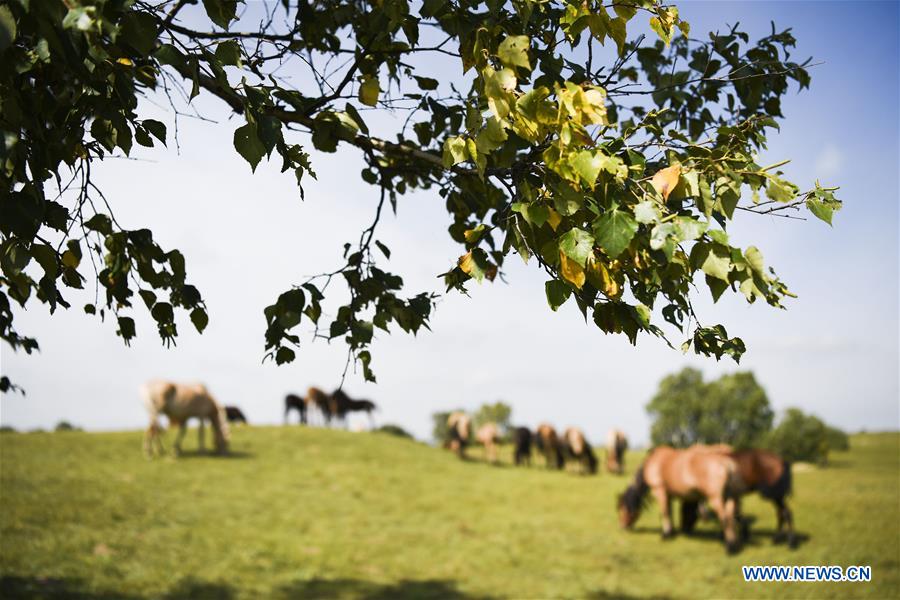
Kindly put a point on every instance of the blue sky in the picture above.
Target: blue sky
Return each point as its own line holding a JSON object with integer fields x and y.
{"x": 248, "y": 237}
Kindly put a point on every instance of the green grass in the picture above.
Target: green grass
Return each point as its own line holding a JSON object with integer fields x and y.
{"x": 315, "y": 513}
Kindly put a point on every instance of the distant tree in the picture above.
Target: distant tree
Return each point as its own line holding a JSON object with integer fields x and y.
{"x": 837, "y": 439}
{"x": 734, "y": 410}
{"x": 395, "y": 430}
{"x": 440, "y": 432}
{"x": 800, "y": 437}
{"x": 7, "y": 429}
{"x": 498, "y": 412}
{"x": 66, "y": 426}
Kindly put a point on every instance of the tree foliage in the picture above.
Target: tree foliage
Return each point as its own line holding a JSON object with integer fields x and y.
{"x": 613, "y": 161}
{"x": 733, "y": 409}
{"x": 804, "y": 437}
{"x": 498, "y": 412}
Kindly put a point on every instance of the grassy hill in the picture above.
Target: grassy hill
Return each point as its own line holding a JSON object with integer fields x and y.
{"x": 302, "y": 512}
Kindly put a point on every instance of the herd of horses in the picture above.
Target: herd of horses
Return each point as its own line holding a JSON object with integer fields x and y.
{"x": 556, "y": 449}
{"x": 710, "y": 478}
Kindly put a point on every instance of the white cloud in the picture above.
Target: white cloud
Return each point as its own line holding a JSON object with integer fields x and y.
{"x": 829, "y": 161}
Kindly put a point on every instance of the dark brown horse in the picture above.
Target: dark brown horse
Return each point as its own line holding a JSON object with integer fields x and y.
{"x": 691, "y": 475}
{"x": 294, "y": 402}
{"x": 548, "y": 443}
{"x": 235, "y": 415}
{"x": 522, "y": 445}
{"x": 761, "y": 471}
{"x": 342, "y": 405}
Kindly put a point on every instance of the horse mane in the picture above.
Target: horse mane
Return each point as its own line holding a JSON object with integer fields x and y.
{"x": 635, "y": 496}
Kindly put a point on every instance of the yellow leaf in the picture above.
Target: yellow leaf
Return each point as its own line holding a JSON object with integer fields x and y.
{"x": 467, "y": 263}
{"x": 665, "y": 180}
{"x": 571, "y": 271}
{"x": 553, "y": 218}
{"x": 369, "y": 90}
{"x": 125, "y": 61}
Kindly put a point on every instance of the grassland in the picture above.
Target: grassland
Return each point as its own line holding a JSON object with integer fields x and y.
{"x": 313, "y": 513}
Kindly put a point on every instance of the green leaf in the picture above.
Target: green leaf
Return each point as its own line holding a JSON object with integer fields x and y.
{"x": 822, "y": 210}
{"x": 200, "y": 319}
{"x": 284, "y": 355}
{"x": 247, "y": 143}
{"x": 689, "y": 228}
{"x": 156, "y": 128}
{"x": 557, "y": 293}
{"x": 755, "y": 260}
{"x": 588, "y": 165}
{"x": 426, "y": 83}
{"x": 99, "y": 223}
{"x": 454, "y": 151}
{"x": 513, "y": 51}
{"x": 717, "y": 263}
{"x": 614, "y": 230}
{"x": 578, "y": 245}
{"x": 646, "y": 212}
{"x": 229, "y": 53}
{"x": 221, "y": 12}
{"x": 7, "y": 28}
{"x": 369, "y": 90}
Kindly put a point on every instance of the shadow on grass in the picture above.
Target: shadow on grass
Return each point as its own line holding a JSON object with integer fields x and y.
{"x": 751, "y": 538}
{"x": 51, "y": 588}
{"x": 618, "y": 595}
{"x": 437, "y": 589}
{"x": 188, "y": 454}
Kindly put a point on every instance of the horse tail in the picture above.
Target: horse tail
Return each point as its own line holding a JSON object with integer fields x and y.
{"x": 782, "y": 486}
{"x": 220, "y": 423}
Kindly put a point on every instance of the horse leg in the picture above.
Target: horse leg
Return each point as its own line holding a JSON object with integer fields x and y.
{"x": 182, "y": 429}
{"x": 302, "y": 414}
{"x": 148, "y": 440}
{"x": 201, "y": 433}
{"x": 665, "y": 508}
{"x": 689, "y": 514}
{"x": 726, "y": 509}
{"x": 785, "y": 521}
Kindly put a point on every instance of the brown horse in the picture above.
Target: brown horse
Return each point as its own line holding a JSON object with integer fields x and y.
{"x": 579, "y": 449}
{"x": 616, "y": 444}
{"x": 180, "y": 402}
{"x": 761, "y": 471}
{"x": 692, "y": 474}
{"x": 460, "y": 429}
{"x": 549, "y": 444}
{"x": 322, "y": 401}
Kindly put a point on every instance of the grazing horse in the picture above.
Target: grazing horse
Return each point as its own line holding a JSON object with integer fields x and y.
{"x": 460, "y": 425}
{"x": 322, "y": 401}
{"x": 616, "y": 444}
{"x": 489, "y": 435}
{"x": 548, "y": 443}
{"x": 235, "y": 415}
{"x": 580, "y": 450}
{"x": 344, "y": 404}
{"x": 522, "y": 444}
{"x": 180, "y": 402}
{"x": 761, "y": 471}
{"x": 294, "y": 402}
{"x": 691, "y": 475}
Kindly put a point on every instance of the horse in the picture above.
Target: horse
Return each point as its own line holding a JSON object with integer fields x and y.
{"x": 344, "y": 404}
{"x": 580, "y": 450}
{"x": 235, "y": 415}
{"x": 294, "y": 402}
{"x": 322, "y": 401}
{"x": 522, "y": 445}
{"x": 691, "y": 474}
{"x": 548, "y": 443}
{"x": 460, "y": 425}
{"x": 762, "y": 471}
{"x": 616, "y": 444}
{"x": 180, "y": 402}
{"x": 489, "y": 435}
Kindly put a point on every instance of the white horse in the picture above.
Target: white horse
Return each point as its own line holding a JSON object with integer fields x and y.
{"x": 180, "y": 402}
